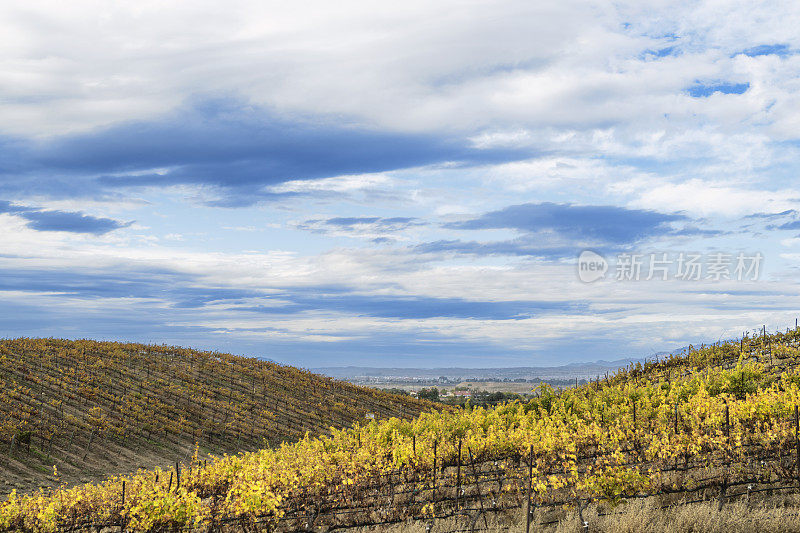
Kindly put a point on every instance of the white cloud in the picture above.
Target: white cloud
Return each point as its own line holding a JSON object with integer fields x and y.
{"x": 703, "y": 198}
{"x": 339, "y": 184}
{"x": 422, "y": 65}
{"x": 568, "y": 175}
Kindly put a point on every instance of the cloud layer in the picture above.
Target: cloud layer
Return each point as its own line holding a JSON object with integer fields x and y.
{"x": 73, "y": 222}
{"x": 239, "y": 149}
{"x": 357, "y": 183}
{"x": 601, "y": 224}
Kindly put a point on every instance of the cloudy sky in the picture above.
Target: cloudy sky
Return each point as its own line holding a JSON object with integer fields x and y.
{"x": 399, "y": 184}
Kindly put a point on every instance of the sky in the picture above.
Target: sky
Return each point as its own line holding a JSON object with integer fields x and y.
{"x": 400, "y": 184}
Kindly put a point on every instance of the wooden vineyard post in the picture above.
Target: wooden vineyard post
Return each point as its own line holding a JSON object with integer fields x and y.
{"x": 635, "y": 433}
{"x": 177, "y": 475}
{"x": 123, "y": 493}
{"x": 530, "y": 489}
{"x": 89, "y": 446}
{"x": 478, "y": 486}
{"x": 769, "y": 347}
{"x": 71, "y": 436}
{"x": 414, "y": 444}
{"x": 458, "y": 476}
{"x": 727, "y": 420}
{"x": 434, "y": 471}
{"x": 676, "y": 418}
{"x": 797, "y": 439}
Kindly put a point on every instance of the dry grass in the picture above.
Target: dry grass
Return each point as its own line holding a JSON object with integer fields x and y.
{"x": 777, "y": 514}
{"x": 774, "y": 514}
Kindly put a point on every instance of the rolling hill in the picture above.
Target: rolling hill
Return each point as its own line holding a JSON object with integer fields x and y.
{"x": 97, "y": 408}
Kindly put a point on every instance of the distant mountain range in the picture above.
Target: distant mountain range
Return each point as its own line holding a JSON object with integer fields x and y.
{"x": 572, "y": 370}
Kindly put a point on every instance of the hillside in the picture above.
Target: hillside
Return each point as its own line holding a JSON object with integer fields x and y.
{"x": 718, "y": 423}
{"x": 99, "y": 408}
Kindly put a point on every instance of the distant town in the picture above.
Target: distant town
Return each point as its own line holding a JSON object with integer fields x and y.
{"x": 478, "y": 386}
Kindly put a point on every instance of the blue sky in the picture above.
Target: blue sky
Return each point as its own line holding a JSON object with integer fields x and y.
{"x": 375, "y": 184}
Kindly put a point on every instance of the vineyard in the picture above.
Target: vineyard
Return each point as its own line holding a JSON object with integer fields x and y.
{"x": 719, "y": 422}
{"x": 97, "y": 408}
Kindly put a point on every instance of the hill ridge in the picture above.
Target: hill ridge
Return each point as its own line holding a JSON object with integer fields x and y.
{"x": 94, "y": 407}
